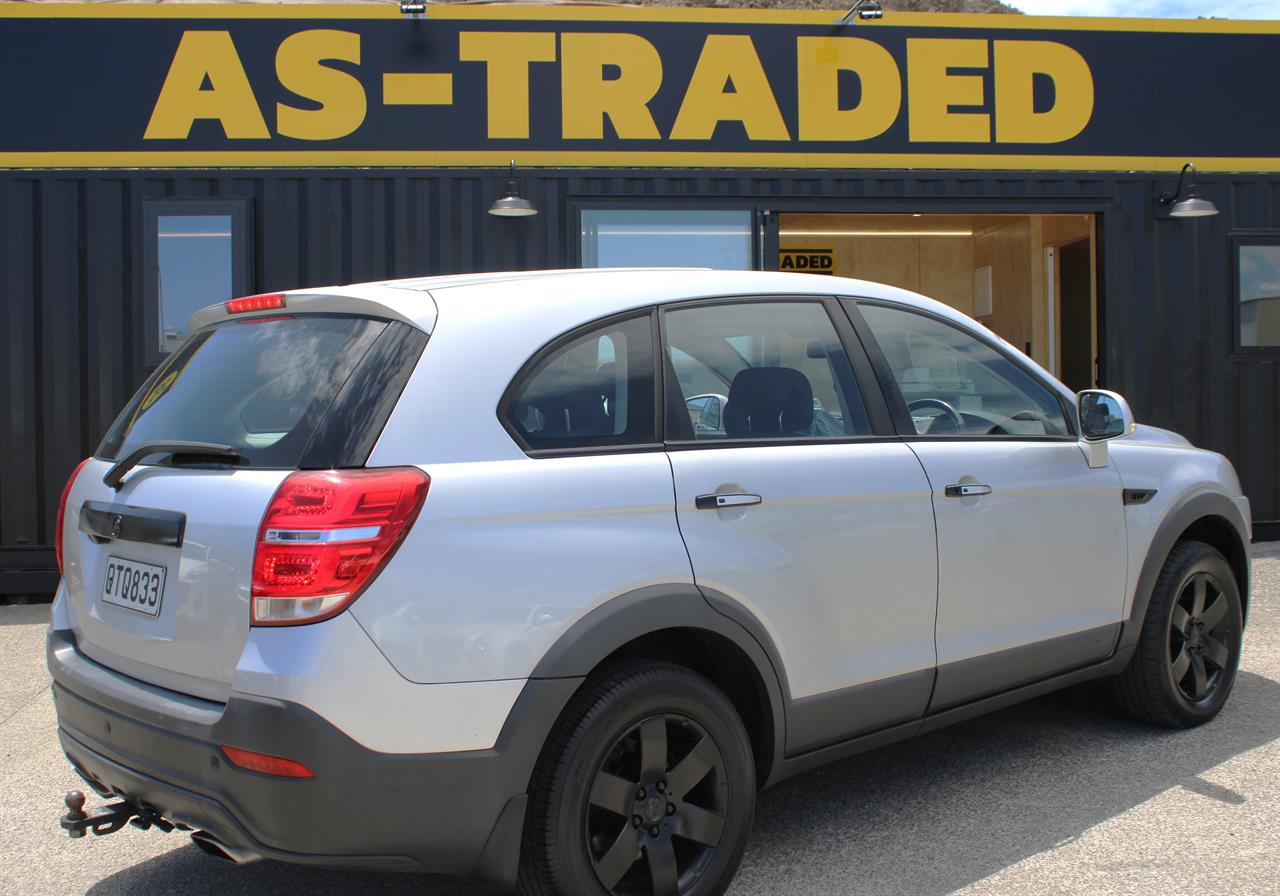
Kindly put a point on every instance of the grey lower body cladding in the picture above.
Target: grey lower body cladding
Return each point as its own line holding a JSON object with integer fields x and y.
{"x": 454, "y": 813}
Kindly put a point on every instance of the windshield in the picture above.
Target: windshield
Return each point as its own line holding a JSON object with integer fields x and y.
{"x": 260, "y": 385}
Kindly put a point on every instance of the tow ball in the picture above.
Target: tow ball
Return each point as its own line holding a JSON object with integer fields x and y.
{"x": 108, "y": 819}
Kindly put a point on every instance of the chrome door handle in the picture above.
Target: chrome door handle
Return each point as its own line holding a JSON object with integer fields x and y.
{"x": 966, "y": 491}
{"x": 717, "y": 502}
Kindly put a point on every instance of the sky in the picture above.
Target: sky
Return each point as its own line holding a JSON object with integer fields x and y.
{"x": 1161, "y": 9}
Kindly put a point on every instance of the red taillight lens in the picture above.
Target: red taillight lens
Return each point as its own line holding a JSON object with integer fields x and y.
{"x": 324, "y": 537}
{"x": 267, "y": 765}
{"x": 263, "y": 302}
{"x": 62, "y": 512}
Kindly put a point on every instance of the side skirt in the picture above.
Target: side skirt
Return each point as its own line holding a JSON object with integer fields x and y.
{"x": 794, "y": 765}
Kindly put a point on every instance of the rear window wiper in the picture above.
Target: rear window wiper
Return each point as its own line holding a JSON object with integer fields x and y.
{"x": 178, "y": 452}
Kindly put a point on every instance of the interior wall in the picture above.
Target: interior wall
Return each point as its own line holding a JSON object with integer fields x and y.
{"x": 1007, "y": 249}
{"x": 943, "y": 267}
{"x": 939, "y": 267}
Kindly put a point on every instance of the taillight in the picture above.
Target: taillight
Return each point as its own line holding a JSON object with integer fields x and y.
{"x": 324, "y": 537}
{"x": 266, "y": 764}
{"x": 62, "y": 512}
{"x": 264, "y": 302}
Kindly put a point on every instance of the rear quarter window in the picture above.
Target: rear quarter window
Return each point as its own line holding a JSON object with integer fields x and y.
{"x": 595, "y": 390}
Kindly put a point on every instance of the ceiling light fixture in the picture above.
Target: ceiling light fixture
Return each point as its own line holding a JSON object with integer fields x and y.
{"x": 512, "y": 204}
{"x": 1194, "y": 206}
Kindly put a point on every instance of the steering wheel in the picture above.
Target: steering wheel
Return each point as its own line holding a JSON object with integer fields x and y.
{"x": 954, "y": 415}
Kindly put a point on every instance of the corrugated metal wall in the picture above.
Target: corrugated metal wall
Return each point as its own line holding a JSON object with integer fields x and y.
{"x": 70, "y": 258}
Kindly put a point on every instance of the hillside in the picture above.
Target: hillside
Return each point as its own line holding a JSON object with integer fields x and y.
{"x": 889, "y": 5}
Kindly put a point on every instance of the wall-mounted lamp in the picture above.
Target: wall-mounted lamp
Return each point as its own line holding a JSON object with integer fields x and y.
{"x": 1193, "y": 206}
{"x": 512, "y": 204}
{"x": 413, "y": 9}
{"x": 864, "y": 10}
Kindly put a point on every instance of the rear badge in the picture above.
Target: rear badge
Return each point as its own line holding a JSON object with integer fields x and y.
{"x": 117, "y": 525}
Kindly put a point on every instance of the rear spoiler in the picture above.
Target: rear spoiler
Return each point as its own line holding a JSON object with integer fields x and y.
{"x": 411, "y": 306}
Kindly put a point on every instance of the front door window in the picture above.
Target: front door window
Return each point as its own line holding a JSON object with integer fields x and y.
{"x": 955, "y": 384}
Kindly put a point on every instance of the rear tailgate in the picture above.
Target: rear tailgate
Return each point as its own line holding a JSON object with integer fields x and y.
{"x": 174, "y": 616}
{"x": 158, "y": 572}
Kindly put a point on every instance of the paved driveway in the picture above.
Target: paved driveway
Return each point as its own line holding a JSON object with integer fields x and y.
{"x": 1060, "y": 795}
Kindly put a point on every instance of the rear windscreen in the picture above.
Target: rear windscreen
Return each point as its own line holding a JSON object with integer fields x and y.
{"x": 260, "y": 385}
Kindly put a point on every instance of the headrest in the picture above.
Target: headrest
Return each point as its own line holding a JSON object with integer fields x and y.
{"x": 768, "y": 401}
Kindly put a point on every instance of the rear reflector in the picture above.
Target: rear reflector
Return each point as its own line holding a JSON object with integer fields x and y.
{"x": 62, "y": 512}
{"x": 267, "y": 765}
{"x": 324, "y": 537}
{"x": 263, "y": 302}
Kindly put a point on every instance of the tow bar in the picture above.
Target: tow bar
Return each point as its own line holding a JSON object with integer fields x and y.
{"x": 108, "y": 819}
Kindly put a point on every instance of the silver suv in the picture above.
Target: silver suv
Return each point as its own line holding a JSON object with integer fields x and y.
{"x": 460, "y": 574}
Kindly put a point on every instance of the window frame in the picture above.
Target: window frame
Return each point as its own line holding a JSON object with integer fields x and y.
{"x": 864, "y": 378}
{"x": 1237, "y": 240}
{"x": 238, "y": 208}
{"x": 898, "y": 403}
{"x": 524, "y": 374}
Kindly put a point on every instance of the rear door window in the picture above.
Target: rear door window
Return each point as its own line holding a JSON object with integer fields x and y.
{"x": 262, "y": 386}
{"x": 760, "y": 370}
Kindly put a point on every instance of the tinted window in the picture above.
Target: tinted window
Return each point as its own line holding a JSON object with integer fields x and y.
{"x": 631, "y": 237}
{"x": 761, "y": 370}
{"x": 595, "y": 391}
{"x": 261, "y": 386}
{"x": 1258, "y": 285}
{"x": 196, "y": 252}
{"x": 956, "y": 384}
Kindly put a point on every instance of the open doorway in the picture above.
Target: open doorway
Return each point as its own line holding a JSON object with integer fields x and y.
{"x": 1030, "y": 278}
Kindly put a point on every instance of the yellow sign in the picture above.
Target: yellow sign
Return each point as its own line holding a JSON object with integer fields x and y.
{"x": 236, "y": 85}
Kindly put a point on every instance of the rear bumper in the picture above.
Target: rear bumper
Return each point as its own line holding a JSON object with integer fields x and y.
{"x": 457, "y": 813}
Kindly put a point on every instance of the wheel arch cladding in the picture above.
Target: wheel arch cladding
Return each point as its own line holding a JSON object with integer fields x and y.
{"x": 1218, "y": 532}
{"x": 1209, "y": 517}
{"x": 676, "y": 624}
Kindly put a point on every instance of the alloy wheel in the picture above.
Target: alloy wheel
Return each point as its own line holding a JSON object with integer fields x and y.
{"x": 656, "y": 809}
{"x": 1199, "y": 655}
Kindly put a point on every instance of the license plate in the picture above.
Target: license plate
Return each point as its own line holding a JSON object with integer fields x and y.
{"x": 133, "y": 585}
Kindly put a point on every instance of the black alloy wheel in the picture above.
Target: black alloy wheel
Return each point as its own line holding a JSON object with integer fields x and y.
{"x": 1199, "y": 658}
{"x": 1189, "y": 646}
{"x": 656, "y": 811}
{"x": 646, "y": 787}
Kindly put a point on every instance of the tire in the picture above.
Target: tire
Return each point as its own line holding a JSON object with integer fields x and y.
{"x": 645, "y": 786}
{"x": 1189, "y": 647}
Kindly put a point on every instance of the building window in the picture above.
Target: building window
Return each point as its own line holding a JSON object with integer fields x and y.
{"x": 631, "y": 237}
{"x": 1258, "y": 291}
{"x": 196, "y": 254}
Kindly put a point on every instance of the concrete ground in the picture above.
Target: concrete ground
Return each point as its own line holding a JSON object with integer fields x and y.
{"x": 1057, "y": 796}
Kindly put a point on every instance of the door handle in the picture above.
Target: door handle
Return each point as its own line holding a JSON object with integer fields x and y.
{"x": 718, "y": 502}
{"x": 966, "y": 491}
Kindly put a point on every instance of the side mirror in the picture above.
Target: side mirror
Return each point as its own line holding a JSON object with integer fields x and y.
{"x": 1103, "y": 415}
